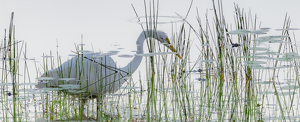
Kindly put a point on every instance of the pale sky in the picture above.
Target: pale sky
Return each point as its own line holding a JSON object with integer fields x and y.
{"x": 44, "y": 24}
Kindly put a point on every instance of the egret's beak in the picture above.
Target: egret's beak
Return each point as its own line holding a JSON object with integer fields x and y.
{"x": 171, "y": 47}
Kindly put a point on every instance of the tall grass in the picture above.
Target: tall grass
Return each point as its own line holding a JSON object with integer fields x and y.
{"x": 234, "y": 85}
{"x": 165, "y": 73}
{"x": 223, "y": 84}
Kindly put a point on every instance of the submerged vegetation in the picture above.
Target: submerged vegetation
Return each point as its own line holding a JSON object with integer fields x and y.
{"x": 241, "y": 74}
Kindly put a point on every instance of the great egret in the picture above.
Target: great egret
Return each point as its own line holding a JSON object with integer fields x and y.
{"x": 95, "y": 75}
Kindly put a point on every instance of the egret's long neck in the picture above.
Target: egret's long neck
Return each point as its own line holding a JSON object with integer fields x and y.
{"x": 134, "y": 64}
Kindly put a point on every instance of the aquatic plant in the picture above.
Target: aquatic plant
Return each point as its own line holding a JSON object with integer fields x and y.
{"x": 237, "y": 75}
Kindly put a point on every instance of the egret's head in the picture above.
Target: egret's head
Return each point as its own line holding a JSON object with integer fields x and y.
{"x": 163, "y": 38}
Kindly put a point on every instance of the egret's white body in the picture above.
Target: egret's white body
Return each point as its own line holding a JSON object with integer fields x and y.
{"x": 89, "y": 72}
{"x": 96, "y": 75}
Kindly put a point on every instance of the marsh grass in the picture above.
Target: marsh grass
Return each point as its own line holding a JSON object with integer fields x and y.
{"x": 233, "y": 87}
{"x": 235, "y": 77}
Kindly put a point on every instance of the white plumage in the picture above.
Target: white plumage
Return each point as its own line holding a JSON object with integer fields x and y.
{"x": 96, "y": 75}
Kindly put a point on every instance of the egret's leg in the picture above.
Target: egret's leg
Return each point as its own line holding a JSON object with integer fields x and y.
{"x": 99, "y": 102}
{"x": 81, "y": 115}
{"x": 98, "y": 108}
{"x": 103, "y": 116}
{"x": 81, "y": 109}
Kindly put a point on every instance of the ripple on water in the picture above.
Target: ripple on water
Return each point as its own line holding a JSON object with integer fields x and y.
{"x": 289, "y": 87}
{"x": 45, "y": 78}
{"x": 125, "y": 56}
{"x": 6, "y": 84}
{"x": 239, "y": 32}
{"x": 67, "y": 79}
{"x": 258, "y": 49}
{"x": 266, "y": 92}
{"x": 77, "y": 91}
{"x": 261, "y": 31}
{"x": 286, "y": 93}
{"x": 70, "y": 86}
{"x": 126, "y": 87}
{"x": 264, "y": 82}
{"x": 51, "y": 89}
